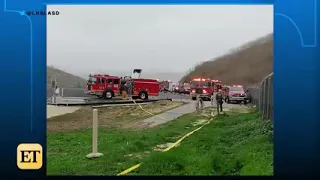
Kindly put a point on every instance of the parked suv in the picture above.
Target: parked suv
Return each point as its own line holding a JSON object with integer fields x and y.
{"x": 235, "y": 93}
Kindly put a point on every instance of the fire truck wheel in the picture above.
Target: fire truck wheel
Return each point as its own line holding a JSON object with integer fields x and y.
{"x": 107, "y": 94}
{"x": 143, "y": 95}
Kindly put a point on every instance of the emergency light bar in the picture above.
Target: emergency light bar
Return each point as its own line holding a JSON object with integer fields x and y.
{"x": 197, "y": 79}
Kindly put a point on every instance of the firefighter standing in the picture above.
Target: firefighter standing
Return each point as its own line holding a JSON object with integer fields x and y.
{"x": 248, "y": 96}
{"x": 57, "y": 91}
{"x": 199, "y": 103}
{"x": 219, "y": 100}
{"x": 123, "y": 90}
{"x": 124, "y": 95}
{"x": 212, "y": 98}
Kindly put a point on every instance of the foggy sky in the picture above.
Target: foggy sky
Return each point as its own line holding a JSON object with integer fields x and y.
{"x": 154, "y": 38}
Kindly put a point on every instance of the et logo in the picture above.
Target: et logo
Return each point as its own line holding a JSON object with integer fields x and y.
{"x": 29, "y": 156}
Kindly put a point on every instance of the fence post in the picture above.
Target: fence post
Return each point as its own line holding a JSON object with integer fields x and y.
{"x": 261, "y": 97}
{"x": 268, "y": 99}
{"x": 271, "y": 98}
{"x": 264, "y": 100}
{"x": 94, "y": 153}
{"x": 53, "y": 87}
{"x": 62, "y": 92}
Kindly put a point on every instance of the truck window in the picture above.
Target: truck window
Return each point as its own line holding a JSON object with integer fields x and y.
{"x": 92, "y": 80}
{"x": 109, "y": 81}
{"x": 98, "y": 80}
{"x": 204, "y": 84}
{"x": 194, "y": 83}
{"x": 102, "y": 80}
{"x": 116, "y": 81}
{"x": 236, "y": 89}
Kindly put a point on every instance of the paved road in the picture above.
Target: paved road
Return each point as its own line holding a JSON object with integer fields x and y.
{"x": 177, "y": 112}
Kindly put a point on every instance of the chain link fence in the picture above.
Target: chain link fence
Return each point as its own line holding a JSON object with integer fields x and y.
{"x": 262, "y": 97}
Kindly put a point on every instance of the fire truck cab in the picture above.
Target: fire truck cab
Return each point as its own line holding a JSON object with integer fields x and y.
{"x": 94, "y": 83}
{"x": 107, "y": 86}
{"x": 200, "y": 86}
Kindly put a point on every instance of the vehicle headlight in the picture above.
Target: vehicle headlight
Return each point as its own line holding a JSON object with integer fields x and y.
{"x": 204, "y": 91}
{"x": 193, "y": 91}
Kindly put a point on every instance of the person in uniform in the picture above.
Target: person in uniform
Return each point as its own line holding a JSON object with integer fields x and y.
{"x": 57, "y": 91}
{"x": 249, "y": 96}
{"x": 123, "y": 89}
{"x": 219, "y": 100}
{"x": 212, "y": 98}
{"x": 199, "y": 103}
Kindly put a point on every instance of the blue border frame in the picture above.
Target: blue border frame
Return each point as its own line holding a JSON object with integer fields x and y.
{"x": 23, "y": 53}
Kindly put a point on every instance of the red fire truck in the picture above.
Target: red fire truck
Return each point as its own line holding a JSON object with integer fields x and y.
{"x": 216, "y": 85}
{"x": 186, "y": 88}
{"x": 201, "y": 86}
{"x": 107, "y": 86}
{"x": 165, "y": 85}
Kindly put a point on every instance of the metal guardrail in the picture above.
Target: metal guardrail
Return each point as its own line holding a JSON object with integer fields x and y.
{"x": 262, "y": 97}
{"x": 104, "y": 102}
{"x": 77, "y": 97}
{"x": 68, "y": 92}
